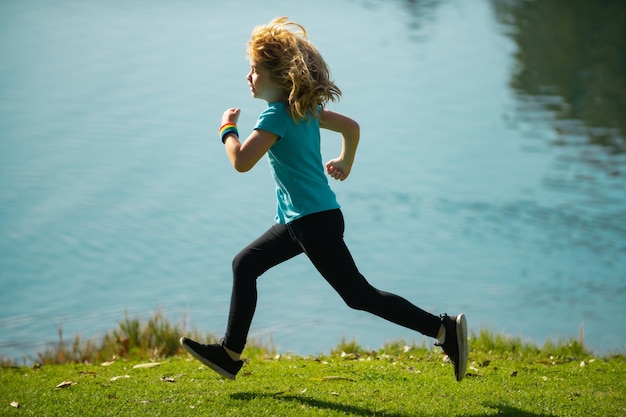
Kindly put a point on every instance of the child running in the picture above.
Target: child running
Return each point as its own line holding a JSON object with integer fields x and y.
{"x": 288, "y": 72}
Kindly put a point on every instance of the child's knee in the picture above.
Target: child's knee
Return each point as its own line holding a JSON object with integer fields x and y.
{"x": 242, "y": 264}
{"x": 363, "y": 300}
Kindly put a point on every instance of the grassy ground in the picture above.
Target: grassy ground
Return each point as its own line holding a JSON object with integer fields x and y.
{"x": 505, "y": 377}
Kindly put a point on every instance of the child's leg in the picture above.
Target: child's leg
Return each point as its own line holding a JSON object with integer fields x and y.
{"x": 273, "y": 247}
{"x": 321, "y": 236}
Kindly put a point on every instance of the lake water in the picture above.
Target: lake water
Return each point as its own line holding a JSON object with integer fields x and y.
{"x": 490, "y": 177}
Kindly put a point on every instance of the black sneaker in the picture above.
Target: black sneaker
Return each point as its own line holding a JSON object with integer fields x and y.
{"x": 213, "y": 356}
{"x": 455, "y": 345}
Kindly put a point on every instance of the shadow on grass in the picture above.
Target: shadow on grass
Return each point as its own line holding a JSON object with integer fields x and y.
{"x": 503, "y": 409}
{"x": 509, "y": 411}
{"x": 315, "y": 403}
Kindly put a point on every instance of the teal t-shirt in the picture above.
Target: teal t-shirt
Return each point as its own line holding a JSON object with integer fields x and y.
{"x": 296, "y": 162}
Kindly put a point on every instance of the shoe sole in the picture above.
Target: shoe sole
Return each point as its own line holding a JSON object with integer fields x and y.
{"x": 461, "y": 339}
{"x": 205, "y": 361}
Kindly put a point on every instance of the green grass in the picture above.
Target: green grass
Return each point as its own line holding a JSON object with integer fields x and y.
{"x": 506, "y": 377}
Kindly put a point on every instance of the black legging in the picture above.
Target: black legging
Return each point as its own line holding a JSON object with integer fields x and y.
{"x": 320, "y": 237}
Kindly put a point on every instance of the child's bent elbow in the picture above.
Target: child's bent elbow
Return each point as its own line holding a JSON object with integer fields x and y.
{"x": 241, "y": 167}
{"x": 243, "y": 164}
{"x": 239, "y": 163}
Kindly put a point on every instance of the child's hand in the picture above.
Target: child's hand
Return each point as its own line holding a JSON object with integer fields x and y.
{"x": 338, "y": 169}
{"x": 231, "y": 115}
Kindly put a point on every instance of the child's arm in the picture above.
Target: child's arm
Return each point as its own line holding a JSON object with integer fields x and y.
{"x": 245, "y": 155}
{"x": 339, "y": 168}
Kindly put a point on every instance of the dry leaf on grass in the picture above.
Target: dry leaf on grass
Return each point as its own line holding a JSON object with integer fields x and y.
{"x": 65, "y": 384}
{"x": 332, "y": 378}
{"x": 147, "y": 365}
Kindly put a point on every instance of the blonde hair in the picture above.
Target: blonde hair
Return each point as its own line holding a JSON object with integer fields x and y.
{"x": 295, "y": 65}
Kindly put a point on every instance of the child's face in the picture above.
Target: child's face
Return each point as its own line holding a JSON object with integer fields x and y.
{"x": 261, "y": 85}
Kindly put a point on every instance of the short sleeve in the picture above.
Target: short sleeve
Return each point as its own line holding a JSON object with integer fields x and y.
{"x": 272, "y": 120}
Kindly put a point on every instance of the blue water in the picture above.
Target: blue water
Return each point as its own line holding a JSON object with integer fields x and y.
{"x": 489, "y": 178}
